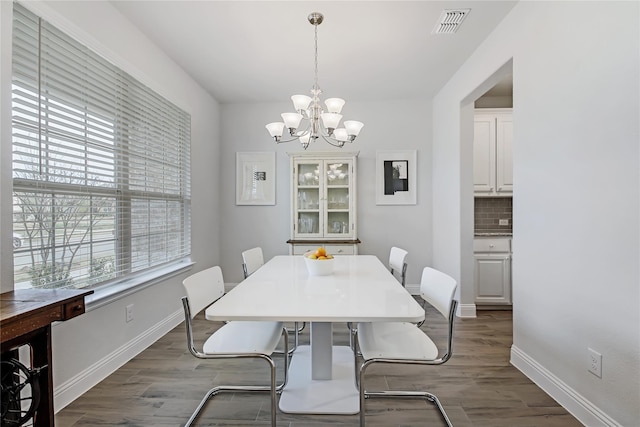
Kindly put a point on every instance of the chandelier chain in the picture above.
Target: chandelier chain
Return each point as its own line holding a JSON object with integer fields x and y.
{"x": 315, "y": 83}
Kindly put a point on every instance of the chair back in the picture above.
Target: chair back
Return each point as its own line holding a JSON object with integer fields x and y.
{"x": 438, "y": 289}
{"x": 252, "y": 259}
{"x": 397, "y": 262}
{"x": 203, "y": 288}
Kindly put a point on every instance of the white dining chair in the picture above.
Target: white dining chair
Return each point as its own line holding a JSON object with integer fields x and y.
{"x": 398, "y": 263}
{"x": 405, "y": 343}
{"x": 237, "y": 339}
{"x": 253, "y": 259}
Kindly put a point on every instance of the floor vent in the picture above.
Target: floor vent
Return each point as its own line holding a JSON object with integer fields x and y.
{"x": 450, "y": 21}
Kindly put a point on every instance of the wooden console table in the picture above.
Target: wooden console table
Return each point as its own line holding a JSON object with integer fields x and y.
{"x": 25, "y": 319}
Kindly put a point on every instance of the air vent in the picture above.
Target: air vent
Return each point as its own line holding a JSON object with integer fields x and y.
{"x": 450, "y": 21}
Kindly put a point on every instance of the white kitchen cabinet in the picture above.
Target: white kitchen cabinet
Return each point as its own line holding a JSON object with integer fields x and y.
{"x": 323, "y": 202}
{"x": 492, "y": 152}
{"x": 492, "y": 271}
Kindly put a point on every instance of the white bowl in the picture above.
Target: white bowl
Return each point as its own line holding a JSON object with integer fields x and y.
{"x": 319, "y": 267}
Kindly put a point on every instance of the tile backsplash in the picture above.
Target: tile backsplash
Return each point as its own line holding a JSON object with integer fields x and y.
{"x": 489, "y": 211}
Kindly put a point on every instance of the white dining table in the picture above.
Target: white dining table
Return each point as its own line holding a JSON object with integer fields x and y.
{"x": 360, "y": 289}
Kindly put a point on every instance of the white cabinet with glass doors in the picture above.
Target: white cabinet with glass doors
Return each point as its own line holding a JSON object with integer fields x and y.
{"x": 323, "y": 202}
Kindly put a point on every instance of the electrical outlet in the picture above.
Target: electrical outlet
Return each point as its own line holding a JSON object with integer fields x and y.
{"x": 503, "y": 222}
{"x": 129, "y": 312}
{"x": 595, "y": 363}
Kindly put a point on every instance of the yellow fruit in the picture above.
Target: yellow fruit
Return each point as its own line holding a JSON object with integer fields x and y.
{"x": 312, "y": 256}
{"x": 329, "y": 257}
{"x": 321, "y": 252}
{"x": 322, "y": 257}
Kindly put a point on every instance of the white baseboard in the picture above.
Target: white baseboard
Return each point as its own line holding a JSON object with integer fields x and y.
{"x": 576, "y": 404}
{"x": 466, "y": 310}
{"x": 75, "y": 387}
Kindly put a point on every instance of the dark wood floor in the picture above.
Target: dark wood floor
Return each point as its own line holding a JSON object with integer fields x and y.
{"x": 477, "y": 387}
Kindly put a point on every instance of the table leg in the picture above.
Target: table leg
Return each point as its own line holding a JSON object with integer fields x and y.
{"x": 41, "y": 357}
{"x": 321, "y": 350}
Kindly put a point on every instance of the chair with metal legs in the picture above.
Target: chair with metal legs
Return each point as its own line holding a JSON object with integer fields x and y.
{"x": 253, "y": 259}
{"x": 397, "y": 265}
{"x": 405, "y": 343}
{"x": 233, "y": 340}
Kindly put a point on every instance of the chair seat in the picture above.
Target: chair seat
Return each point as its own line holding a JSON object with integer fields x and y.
{"x": 395, "y": 340}
{"x": 245, "y": 337}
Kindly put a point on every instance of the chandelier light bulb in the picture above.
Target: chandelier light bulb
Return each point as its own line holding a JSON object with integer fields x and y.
{"x": 341, "y": 134}
{"x": 275, "y": 129}
{"x": 331, "y": 120}
{"x": 292, "y": 120}
{"x": 353, "y": 127}
{"x": 301, "y": 102}
{"x": 304, "y": 138}
{"x": 334, "y": 105}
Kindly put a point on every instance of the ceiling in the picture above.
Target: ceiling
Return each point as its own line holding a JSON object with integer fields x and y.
{"x": 262, "y": 51}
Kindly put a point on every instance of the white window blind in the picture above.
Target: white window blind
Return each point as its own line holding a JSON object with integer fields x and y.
{"x": 100, "y": 166}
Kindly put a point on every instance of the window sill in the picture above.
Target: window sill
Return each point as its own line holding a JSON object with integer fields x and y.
{"x": 107, "y": 294}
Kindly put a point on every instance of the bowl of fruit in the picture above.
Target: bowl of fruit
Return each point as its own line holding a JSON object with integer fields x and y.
{"x": 319, "y": 262}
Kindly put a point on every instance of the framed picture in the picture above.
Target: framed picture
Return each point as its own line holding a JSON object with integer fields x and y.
{"x": 256, "y": 178}
{"x": 396, "y": 177}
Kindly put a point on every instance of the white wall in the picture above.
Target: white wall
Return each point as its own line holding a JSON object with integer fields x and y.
{"x": 392, "y": 125}
{"x": 576, "y": 196}
{"x": 97, "y": 342}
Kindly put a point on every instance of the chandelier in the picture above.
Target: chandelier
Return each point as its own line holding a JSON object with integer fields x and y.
{"x": 311, "y": 121}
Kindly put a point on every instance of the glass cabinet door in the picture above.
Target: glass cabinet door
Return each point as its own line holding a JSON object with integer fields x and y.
{"x": 308, "y": 199}
{"x": 338, "y": 206}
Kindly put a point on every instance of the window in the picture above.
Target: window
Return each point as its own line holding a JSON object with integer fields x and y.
{"x": 101, "y": 173}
